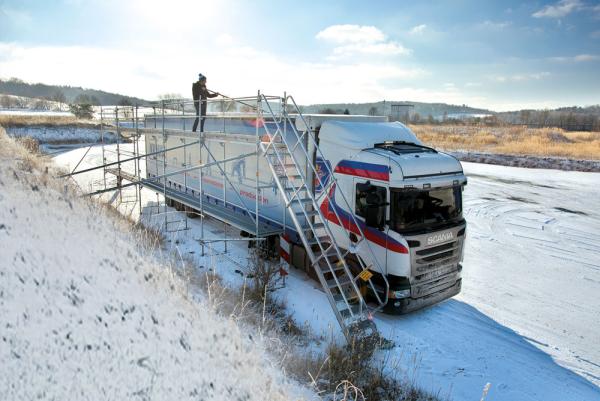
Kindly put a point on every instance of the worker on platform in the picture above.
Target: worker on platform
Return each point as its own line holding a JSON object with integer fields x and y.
{"x": 200, "y": 94}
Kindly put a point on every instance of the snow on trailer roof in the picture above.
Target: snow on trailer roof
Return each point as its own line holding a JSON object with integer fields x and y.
{"x": 364, "y": 135}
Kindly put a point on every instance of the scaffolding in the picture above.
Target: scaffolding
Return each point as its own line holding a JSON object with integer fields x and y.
{"x": 289, "y": 154}
{"x": 122, "y": 132}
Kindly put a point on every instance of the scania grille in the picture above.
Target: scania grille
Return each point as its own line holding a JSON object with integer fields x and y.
{"x": 430, "y": 257}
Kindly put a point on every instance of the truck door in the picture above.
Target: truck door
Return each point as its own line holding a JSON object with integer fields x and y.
{"x": 370, "y": 200}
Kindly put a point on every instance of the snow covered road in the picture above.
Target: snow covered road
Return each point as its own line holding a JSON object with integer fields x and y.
{"x": 527, "y": 320}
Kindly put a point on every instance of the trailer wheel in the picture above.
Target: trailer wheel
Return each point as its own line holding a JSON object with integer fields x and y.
{"x": 191, "y": 212}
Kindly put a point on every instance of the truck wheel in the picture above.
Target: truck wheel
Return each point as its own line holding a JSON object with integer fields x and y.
{"x": 191, "y": 212}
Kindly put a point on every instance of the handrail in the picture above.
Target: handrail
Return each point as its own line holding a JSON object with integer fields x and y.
{"x": 333, "y": 179}
{"x": 307, "y": 218}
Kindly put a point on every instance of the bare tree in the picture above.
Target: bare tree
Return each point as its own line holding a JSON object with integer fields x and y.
{"x": 327, "y": 110}
{"x": 170, "y": 96}
{"x": 373, "y": 111}
{"x": 6, "y": 102}
{"x": 60, "y": 98}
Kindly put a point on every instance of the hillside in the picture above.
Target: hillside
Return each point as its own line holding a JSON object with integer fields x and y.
{"x": 86, "y": 314}
{"x": 17, "y": 87}
{"x": 436, "y": 110}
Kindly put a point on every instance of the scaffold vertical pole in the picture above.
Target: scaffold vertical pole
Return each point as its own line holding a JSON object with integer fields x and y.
{"x": 138, "y": 169}
{"x": 164, "y": 154}
{"x": 118, "y": 153}
{"x": 257, "y": 186}
{"x": 200, "y": 172}
{"x": 102, "y": 142}
{"x": 225, "y": 190}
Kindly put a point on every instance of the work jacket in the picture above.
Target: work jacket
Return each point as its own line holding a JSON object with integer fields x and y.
{"x": 199, "y": 91}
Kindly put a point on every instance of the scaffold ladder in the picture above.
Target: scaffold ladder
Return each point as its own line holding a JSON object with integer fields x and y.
{"x": 286, "y": 152}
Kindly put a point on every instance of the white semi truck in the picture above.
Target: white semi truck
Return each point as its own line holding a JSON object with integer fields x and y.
{"x": 354, "y": 194}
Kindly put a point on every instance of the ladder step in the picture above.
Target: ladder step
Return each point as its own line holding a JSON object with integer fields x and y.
{"x": 288, "y": 189}
{"x": 328, "y": 253}
{"x": 339, "y": 298}
{"x": 309, "y": 213}
{"x": 315, "y": 241}
{"x": 344, "y": 281}
{"x": 346, "y": 312}
{"x": 315, "y": 226}
{"x": 325, "y": 268}
{"x": 303, "y": 200}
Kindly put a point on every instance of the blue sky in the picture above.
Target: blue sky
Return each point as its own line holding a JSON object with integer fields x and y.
{"x": 499, "y": 55}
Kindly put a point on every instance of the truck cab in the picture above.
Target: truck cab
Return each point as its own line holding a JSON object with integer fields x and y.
{"x": 407, "y": 199}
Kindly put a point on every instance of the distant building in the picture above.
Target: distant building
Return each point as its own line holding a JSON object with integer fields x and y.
{"x": 401, "y": 112}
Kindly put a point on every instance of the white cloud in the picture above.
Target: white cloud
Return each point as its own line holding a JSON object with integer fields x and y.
{"x": 357, "y": 39}
{"x": 351, "y": 34}
{"x": 558, "y": 10}
{"x": 493, "y": 26}
{"x": 418, "y": 30}
{"x": 234, "y": 69}
{"x": 576, "y": 59}
{"x": 586, "y": 57}
{"x": 389, "y": 48}
{"x": 521, "y": 77}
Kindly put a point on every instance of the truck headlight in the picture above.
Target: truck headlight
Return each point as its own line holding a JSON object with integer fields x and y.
{"x": 400, "y": 294}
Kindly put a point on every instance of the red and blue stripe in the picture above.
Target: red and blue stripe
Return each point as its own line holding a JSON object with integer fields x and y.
{"x": 329, "y": 210}
{"x": 361, "y": 169}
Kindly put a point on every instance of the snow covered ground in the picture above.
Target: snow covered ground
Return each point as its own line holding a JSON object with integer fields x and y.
{"x": 27, "y": 112}
{"x": 527, "y": 320}
{"x": 60, "y": 134}
{"x": 85, "y": 315}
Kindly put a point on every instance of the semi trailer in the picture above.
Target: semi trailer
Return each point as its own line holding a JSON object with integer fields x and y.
{"x": 356, "y": 195}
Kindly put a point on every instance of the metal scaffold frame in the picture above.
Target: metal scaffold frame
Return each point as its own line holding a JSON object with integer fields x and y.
{"x": 288, "y": 154}
{"x": 125, "y": 124}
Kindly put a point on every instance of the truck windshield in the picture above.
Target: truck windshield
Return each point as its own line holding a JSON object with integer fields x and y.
{"x": 413, "y": 209}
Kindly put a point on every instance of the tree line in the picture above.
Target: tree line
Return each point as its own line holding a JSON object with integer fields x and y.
{"x": 568, "y": 118}
{"x": 66, "y": 94}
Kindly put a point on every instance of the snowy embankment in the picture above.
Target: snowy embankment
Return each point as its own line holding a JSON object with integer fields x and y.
{"x": 62, "y": 134}
{"x": 85, "y": 314}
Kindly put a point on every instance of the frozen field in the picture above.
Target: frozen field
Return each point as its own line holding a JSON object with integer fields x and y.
{"x": 527, "y": 320}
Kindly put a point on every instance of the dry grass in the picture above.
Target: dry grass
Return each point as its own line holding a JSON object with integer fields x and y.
{"x": 553, "y": 142}
{"x": 32, "y": 145}
{"x": 359, "y": 372}
{"x": 9, "y": 120}
{"x": 23, "y": 153}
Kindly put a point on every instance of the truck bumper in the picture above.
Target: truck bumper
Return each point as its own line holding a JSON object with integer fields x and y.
{"x": 407, "y": 305}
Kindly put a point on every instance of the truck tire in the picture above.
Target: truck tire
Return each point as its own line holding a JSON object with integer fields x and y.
{"x": 191, "y": 212}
